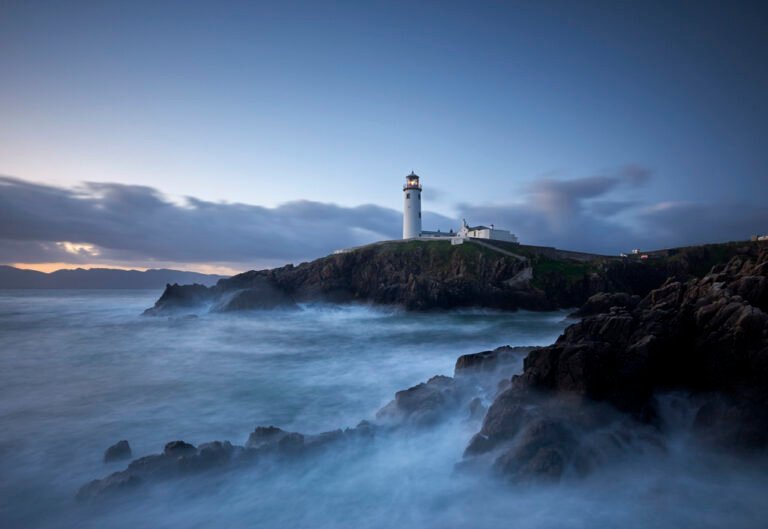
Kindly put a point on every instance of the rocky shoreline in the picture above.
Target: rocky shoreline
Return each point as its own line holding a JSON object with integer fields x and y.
{"x": 594, "y": 396}
{"x": 475, "y": 381}
{"x": 434, "y": 275}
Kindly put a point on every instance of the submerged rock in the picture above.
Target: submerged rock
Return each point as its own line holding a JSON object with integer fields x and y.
{"x": 180, "y": 459}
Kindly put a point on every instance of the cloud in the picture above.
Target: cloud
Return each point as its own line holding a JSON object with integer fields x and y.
{"x": 583, "y": 214}
{"x": 680, "y": 223}
{"x": 111, "y": 223}
{"x": 116, "y": 224}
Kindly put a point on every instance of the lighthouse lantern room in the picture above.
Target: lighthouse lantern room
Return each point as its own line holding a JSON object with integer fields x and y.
{"x": 411, "y": 207}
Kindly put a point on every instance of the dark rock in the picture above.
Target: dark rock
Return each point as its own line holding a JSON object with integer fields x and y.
{"x": 502, "y": 422}
{"x": 260, "y": 295}
{"x": 423, "y": 404}
{"x": 178, "y": 448}
{"x": 181, "y": 297}
{"x": 604, "y": 301}
{"x": 118, "y": 451}
{"x": 488, "y": 361}
{"x": 702, "y": 336}
{"x": 740, "y": 425}
{"x": 264, "y": 436}
{"x": 428, "y": 275}
{"x": 324, "y": 438}
{"x": 542, "y": 451}
{"x": 364, "y": 430}
{"x": 291, "y": 443}
{"x": 116, "y": 483}
{"x": 156, "y": 465}
{"x": 211, "y": 455}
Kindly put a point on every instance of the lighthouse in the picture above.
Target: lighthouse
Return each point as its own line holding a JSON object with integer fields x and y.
{"x": 411, "y": 207}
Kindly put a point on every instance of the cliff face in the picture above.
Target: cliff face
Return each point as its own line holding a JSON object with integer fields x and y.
{"x": 425, "y": 275}
{"x": 596, "y": 388}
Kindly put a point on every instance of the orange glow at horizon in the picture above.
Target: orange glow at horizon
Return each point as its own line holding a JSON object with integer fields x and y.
{"x": 52, "y": 267}
{"x": 200, "y": 268}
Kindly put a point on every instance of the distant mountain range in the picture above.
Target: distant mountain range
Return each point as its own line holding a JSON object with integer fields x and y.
{"x": 11, "y": 277}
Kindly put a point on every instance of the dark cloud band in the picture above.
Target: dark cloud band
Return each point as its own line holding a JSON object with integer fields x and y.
{"x": 137, "y": 225}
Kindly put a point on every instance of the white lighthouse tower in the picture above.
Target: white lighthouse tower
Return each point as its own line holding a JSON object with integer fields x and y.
{"x": 411, "y": 207}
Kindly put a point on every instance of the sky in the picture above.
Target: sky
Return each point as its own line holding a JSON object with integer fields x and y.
{"x": 226, "y": 136}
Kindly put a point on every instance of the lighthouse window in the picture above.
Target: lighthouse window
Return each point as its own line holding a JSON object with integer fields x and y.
{"x": 407, "y": 195}
{"x": 419, "y": 214}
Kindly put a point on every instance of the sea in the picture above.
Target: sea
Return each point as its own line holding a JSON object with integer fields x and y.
{"x": 80, "y": 370}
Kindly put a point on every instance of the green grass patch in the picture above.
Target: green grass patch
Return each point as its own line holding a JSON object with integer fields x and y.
{"x": 545, "y": 268}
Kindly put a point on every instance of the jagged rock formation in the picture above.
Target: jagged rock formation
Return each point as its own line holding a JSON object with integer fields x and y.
{"x": 707, "y": 337}
{"x": 180, "y": 459}
{"x": 420, "y": 406}
{"x": 421, "y": 275}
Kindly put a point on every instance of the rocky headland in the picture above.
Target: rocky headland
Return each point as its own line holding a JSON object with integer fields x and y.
{"x": 595, "y": 396}
{"x": 429, "y": 275}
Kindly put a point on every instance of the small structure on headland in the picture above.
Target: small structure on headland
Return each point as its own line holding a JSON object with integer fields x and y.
{"x": 484, "y": 232}
{"x": 412, "y": 220}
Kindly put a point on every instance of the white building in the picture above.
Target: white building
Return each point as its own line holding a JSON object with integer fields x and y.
{"x": 484, "y": 232}
{"x": 412, "y": 220}
{"x": 411, "y": 207}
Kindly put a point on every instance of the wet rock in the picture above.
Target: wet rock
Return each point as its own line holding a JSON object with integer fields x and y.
{"x": 423, "y": 404}
{"x": 181, "y": 297}
{"x": 178, "y": 459}
{"x": 264, "y": 436}
{"x": 543, "y": 450}
{"x": 699, "y": 336}
{"x": 487, "y": 362}
{"x": 118, "y": 451}
{"x": 325, "y": 438}
{"x": 178, "y": 448}
{"x": 258, "y": 296}
{"x": 502, "y": 422}
{"x": 119, "y": 482}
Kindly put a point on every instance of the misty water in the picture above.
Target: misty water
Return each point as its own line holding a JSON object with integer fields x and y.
{"x": 80, "y": 370}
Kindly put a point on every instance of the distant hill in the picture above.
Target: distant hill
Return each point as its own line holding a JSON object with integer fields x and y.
{"x": 106, "y": 278}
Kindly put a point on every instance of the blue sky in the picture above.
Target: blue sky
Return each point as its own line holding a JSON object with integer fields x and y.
{"x": 531, "y": 114}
